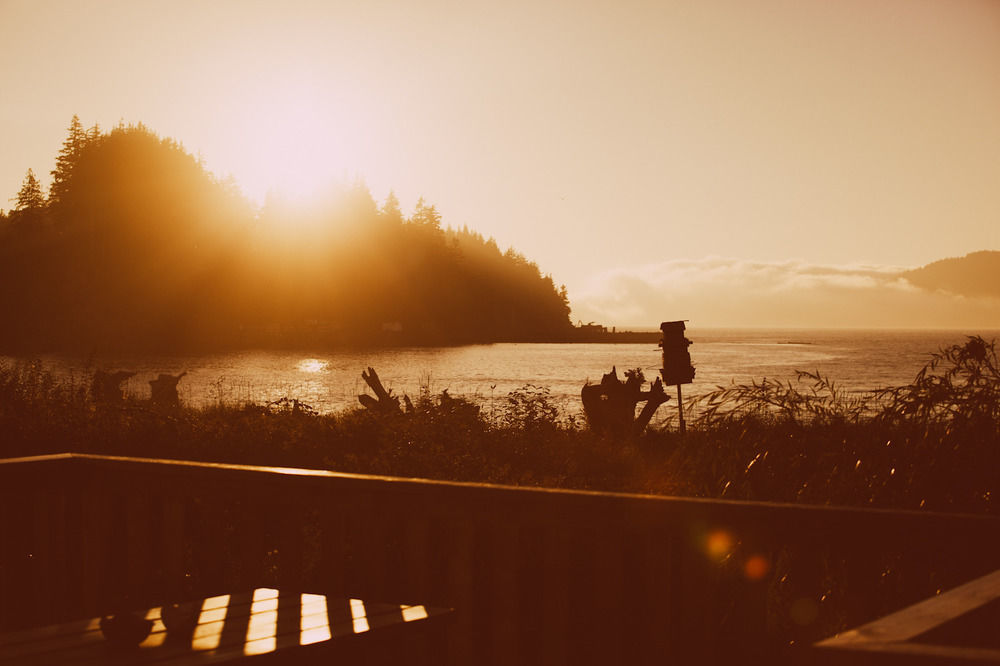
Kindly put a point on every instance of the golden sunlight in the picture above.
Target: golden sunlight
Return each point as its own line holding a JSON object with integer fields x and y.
{"x": 413, "y": 613}
{"x": 211, "y": 619}
{"x": 360, "y": 616}
{"x": 311, "y": 365}
{"x": 314, "y": 620}
{"x": 158, "y": 633}
{"x": 262, "y": 631}
{"x": 296, "y": 138}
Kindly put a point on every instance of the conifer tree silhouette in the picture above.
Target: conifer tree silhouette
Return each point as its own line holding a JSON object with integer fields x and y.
{"x": 68, "y": 157}
{"x": 30, "y": 197}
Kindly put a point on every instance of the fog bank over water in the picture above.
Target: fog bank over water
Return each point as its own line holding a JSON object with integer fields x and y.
{"x": 722, "y": 291}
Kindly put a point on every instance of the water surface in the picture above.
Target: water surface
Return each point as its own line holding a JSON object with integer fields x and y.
{"x": 331, "y": 381}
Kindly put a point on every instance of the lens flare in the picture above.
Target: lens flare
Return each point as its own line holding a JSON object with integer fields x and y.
{"x": 756, "y": 567}
{"x": 720, "y": 544}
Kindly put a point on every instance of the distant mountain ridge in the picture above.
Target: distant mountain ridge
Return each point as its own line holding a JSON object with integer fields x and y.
{"x": 976, "y": 274}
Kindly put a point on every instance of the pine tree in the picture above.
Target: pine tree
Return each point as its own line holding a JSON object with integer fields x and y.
{"x": 390, "y": 210}
{"x": 426, "y": 215}
{"x": 30, "y": 197}
{"x": 67, "y": 159}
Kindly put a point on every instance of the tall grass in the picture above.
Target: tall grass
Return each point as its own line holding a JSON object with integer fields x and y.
{"x": 933, "y": 443}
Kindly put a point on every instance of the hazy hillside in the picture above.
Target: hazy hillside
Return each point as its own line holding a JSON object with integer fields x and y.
{"x": 975, "y": 274}
{"x": 138, "y": 246}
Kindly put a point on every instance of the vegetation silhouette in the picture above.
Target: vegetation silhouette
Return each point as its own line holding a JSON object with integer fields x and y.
{"x": 933, "y": 444}
{"x": 139, "y": 247}
{"x": 610, "y": 405}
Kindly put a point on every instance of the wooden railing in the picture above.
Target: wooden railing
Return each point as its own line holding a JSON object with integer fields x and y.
{"x": 956, "y": 627}
{"x": 534, "y": 575}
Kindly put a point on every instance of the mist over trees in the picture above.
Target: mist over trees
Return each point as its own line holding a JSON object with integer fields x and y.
{"x": 977, "y": 274}
{"x": 138, "y": 246}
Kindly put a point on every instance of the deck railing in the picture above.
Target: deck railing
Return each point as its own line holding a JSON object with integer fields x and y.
{"x": 534, "y": 575}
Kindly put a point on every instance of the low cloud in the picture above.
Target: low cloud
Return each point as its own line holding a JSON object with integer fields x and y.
{"x": 719, "y": 291}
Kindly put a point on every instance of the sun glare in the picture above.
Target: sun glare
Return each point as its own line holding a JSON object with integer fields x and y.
{"x": 292, "y": 156}
{"x": 311, "y": 365}
{"x": 296, "y": 139}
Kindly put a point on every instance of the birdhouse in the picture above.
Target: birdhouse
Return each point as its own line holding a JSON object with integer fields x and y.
{"x": 677, "y": 368}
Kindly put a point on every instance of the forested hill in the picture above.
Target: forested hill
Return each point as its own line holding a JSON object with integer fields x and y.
{"x": 975, "y": 274}
{"x": 138, "y": 247}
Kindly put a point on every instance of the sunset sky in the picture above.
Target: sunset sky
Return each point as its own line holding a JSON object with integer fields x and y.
{"x": 631, "y": 149}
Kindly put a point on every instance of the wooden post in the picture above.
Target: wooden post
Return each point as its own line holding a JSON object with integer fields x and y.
{"x": 680, "y": 409}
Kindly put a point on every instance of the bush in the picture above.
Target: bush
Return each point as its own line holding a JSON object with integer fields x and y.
{"x": 933, "y": 444}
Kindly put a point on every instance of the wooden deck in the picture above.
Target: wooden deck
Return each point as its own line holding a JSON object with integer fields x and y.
{"x": 959, "y": 626}
{"x": 242, "y": 628}
{"x": 534, "y": 575}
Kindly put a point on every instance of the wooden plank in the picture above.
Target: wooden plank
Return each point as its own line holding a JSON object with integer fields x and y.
{"x": 278, "y": 626}
{"x": 611, "y": 613}
{"x": 38, "y": 638}
{"x": 138, "y": 546}
{"x": 450, "y": 504}
{"x": 921, "y": 617}
{"x": 210, "y": 553}
{"x": 356, "y": 542}
{"x": 416, "y": 559}
{"x": 334, "y": 552}
{"x": 555, "y": 592}
{"x": 113, "y": 591}
{"x": 174, "y": 542}
{"x": 96, "y": 536}
{"x": 503, "y": 601}
{"x": 289, "y": 618}
{"x": 8, "y": 557}
{"x": 766, "y": 519}
{"x": 596, "y": 596}
{"x": 41, "y": 559}
{"x": 416, "y": 574}
{"x": 654, "y": 569}
{"x": 376, "y": 534}
{"x": 290, "y": 549}
{"x": 252, "y": 546}
{"x": 692, "y": 600}
{"x": 72, "y": 538}
{"x": 57, "y": 569}
{"x": 751, "y": 596}
{"x": 877, "y": 654}
{"x": 461, "y": 647}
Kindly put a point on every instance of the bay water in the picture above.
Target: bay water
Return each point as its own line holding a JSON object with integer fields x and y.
{"x": 330, "y": 381}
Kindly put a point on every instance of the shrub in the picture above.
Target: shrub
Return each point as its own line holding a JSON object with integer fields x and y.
{"x": 934, "y": 443}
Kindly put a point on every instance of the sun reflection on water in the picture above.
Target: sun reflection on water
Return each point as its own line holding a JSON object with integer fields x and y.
{"x": 311, "y": 365}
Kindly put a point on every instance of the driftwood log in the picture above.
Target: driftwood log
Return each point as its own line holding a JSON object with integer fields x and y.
{"x": 610, "y": 405}
{"x": 384, "y": 401}
{"x": 106, "y": 387}
{"x": 164, "y": 390}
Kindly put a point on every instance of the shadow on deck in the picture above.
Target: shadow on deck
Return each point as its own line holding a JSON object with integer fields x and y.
{"x": 534, "y": 575}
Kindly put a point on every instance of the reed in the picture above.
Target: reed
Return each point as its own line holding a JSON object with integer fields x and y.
{"x": 931, "y": 444}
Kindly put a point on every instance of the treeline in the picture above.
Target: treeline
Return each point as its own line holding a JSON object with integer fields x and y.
{"x": 138, "y": 246}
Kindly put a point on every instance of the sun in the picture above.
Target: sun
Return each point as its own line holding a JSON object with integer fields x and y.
{"x": 292, "y": 152}
{"x": 293, "y": 139}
